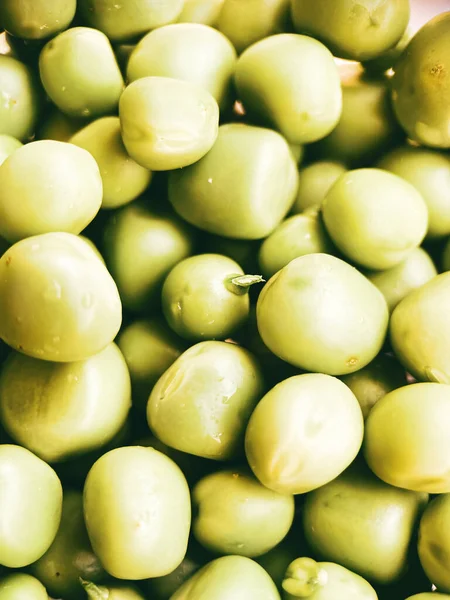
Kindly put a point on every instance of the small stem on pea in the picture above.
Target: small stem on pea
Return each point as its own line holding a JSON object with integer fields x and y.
{"x": 241, "y": 284}
{"x": 303, "y": 577}
{"x": 94, "y": 592}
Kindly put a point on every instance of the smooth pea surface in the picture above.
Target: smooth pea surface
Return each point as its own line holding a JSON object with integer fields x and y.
{"x": 406, "y": 432}
{"x": 236, "y": 577}
{"x": 167, "y": 123}
{"x": 363, "y": 524}
{"x": 291, "y": 82}
{"x": 314, "y": 182}
{"x": 137, "y": 512}
{"x": 62, "y": 190}
{"x": 303, "y": 433}
{"x": 123, "y": 179}
{"x": 58, "y": 301}
{"x": 36, "y": 19}
{"x": 30, "y": 506}
{"x": 70, "y": 556}
{"x": 80, "y": 73}
{"x": 21, "y": 586}
{"x": 320, "y": 314}
{"x": 188, "y": 51}
{"x": 202, "y": 403}
{"x": 238, "y": 515}
{"x": 364, "y": 213}
{"x": 434, "y": 546}
{"x": 8, "y": 145}
{"x": 256, "y": 166}
{"x": 58, "y": 410}
{"x": 357, "y": 31}
{"x": 141, "y": 246}
{"x": 201, "y": 11}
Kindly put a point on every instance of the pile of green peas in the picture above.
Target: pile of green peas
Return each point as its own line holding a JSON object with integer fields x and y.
{"x": 224, "y": 300}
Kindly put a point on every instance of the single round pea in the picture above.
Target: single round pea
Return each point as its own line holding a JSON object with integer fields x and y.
{"x": 236, "y": 577}
{"x": 36, "y": 19}
{"x": 384, "y": 374}
{"x": 21, "y": 586}
{"x": 59, "y": 127}
{"x": 364, "y": 213}
{"x": 122, "y": 21}
{"x": 201, "y": 11}
{"x": 141, "y": 246}
{"x": 70, "y": 556}
{"x": 68, "y": 416}
{"x": 19, "y": 108}
{"x": 357, "y": 31}
{"x": 59, "y": 186}
{"x": 303, "y": 433}
{"x": 320, "y": 314}
{"x": 397, "y": 282}
{"x": 291, "y": 82}
{"x": 362, "y": 136}
{"x": 206, "y": 297}
{"x": 123, "y": 179}
{"x": 8, "y": 145}
{"x": 80, "y": 73}
{"x": 362, "y": 523}
{"x": 420, "y": 331}
{"x": 297, "y": 236}
{"x": 434, "y": 546}
{"x": 238, "y": 515}
{"x": 314, "y": 182}
{"x": 111, "y": 592}
{"x": 202, "y": 403}
{"x": 245, "y": 22}
{"x": 30, "y": 506}
{"x": 57, "y": 300}
{"x": 429, "y": 172}
{"x": 149, "y": 348}
{"x": 190, "y": 52}
{"x": 306, "y": 578}
{"x": 253, "y": 163}
{"x": 137, "y": 512}
{"x": 406, "y": 443}
{"x": 421, "y": 84}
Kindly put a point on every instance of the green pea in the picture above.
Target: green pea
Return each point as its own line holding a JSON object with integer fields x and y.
{"x": 57, "y": 300}
{"x": 59, "y": 127}
{"x": 303, "y": 433}
{"x": 237, "y": 515}
{"x": 384, "y": 374}
{"x": 19, "y": 108}
{"x": 236, "y": 577}
{"x": 389, "y": 59}
{"x": 433, "y": 546}
{"x": 397, "y": 282}
{"x": 123, "y": 179}
{"x": 201, "y": 11}
{"x": 167, "y": 123}
{"x": 358, "y": 31}
{"x": 80, "y": 73}
{"x": 257, "y": 165}
{"x": 70, "y": 556}
{"x": 406, "y": 432}
{"x": 297, "y": 236}
{"x": 141, "y": 247}
{"x": 206, "y": 297}
{"x": 149, "y": 348}
{"x": 59, "y": 187}
{"x": 8, "y": 145}
{"x": 363, "y": 523}
{"x": 320, "y": 314}
{"x": 420, "y": 332}
{"x": 291, "y": 82}
{"x": 122, "y": 21}
{"x": 36, "y": 19}
{"x": 202, "y": 403}
{"x": 137, "y": 512}
{"x": 429, "y": 596}
{"x": 315, "y": 180}
{"x": 21, "y": 586}
{"x": 190, "y": 52}
{"x": 30, "y": 506}
{"x": 364, "y": 213}
{"x": 68, "y": 416}
{"x": 429, "y": 171}
{"x": 245, "y": 22}
{"x": 420, "y": 85}
{"x": 111, "y": 592}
